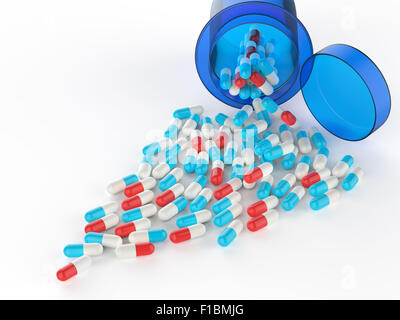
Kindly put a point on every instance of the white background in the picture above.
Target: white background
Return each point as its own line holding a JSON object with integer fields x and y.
{"x": 81, "y": 85}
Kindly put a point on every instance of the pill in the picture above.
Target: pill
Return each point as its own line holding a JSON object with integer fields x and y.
{"x": 271, "y": 106}
{"x": 190, "y": 161}
{"x": 303, "y": 167}
{"x": 84, "y": 249}
{"x": 262, "y": 206}
{"x": 192, "y": 219}
{"x": 119, "y": 185}
{"x": 171, "y": 179}
{"x": 163, "y": 168}
{"x": 251, "y": 47}
{"x": 106, "y": 240}
{"x": 190, "y": 124}
{"x": 214, "y": 152}
{"x": 268, "y": 71}
{"x": 317, "y": 138}
{"x": 145, "y": 211}
{"x": 126, "y": 229}
{"x": 242, "y": 115}
{"x": 176, "y": 148}
{"x": 138, "y": 200}
{"x": 226, "y": 202}
{"x": 261, "y": 83}
{"x": 352, "y": 179}
{"x": 172, "y": 209}
{"x": 265, "y": 187}
{"x": 217, "y": 173}
{"x": 261, "y": 112}
{"x": 227, "y": 188}
{"x": 202, "y": 162}
{"x": 230, "y": 233}
{"x": 245, "y": 68}
{"x": 285, "y": 134}
{"x": 321, "y": 159}
{"x": 237, "y": 170}
{"x": 268, "y": 143}
{"x": 140, "y": 186}
{"x": 324, "y": 200}
{"x": 279, "y": 151}
{"x": 156, "y": 147}
{"x": 255, "y": 92}
{"x": 224, "y": 120}
{"x": 200, "y": 202}
{"x": 254, "y": 60}
{"x": 145, "y": 167}
{"x": 228, "y": 215}
{"x": 193, "y": 190}
{"x": 247, "y": 153}
{"x": 146, "y": 236}
{"x": 263, "y": 220}
{"x": 186, "y": 113}
{"x": 254, "y": 35}
{"x": 323, "y": 186}
{"x": 315, "y": 177}
{"x": 303, "y": 142}
{"x": 289, "y": 160}
{"x": 284, "y": 185}
{"x": 247, "y": 185}
{"x": 288, "y": 118}
{"x": 230, "y": 152}
{"x": 234, "y": 90}
{"x": 101, "y": 211}
{"x": 127, "y": 251}
{"x": 254, "y": 129}
{"x": 74, "y": 268}
{"x": 170, "y": 195}
{"x": 239, "y": 81}
{"x": 173, "y": 128}
{"x": 225, "y": 78}
{"x": 258, "y": 173}
{"x": 187, "y": 233}
{"x": 207, "y": 128}
{"x": 222, "y": 137}
{"x": 102, "y": 224}
{"x": 293, "y": 198}
{"x": 343, "y": 166}
{"x": 197, "y": 140}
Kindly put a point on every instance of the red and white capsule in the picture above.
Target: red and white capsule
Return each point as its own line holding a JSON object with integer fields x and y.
{"x": 222, "y": 137}
{"x": 263, "y": 170}
{"x": 187, "y": 233}
{"x": 290, "y": 119}
{"x": 170, "y": 195}
{"x": 138, "y": 200}
{"x": 127, "y": 251}
{"x": 74, "y": 268}
{"x": 227, "y": 188}
{"x": 140, "y": 186}
{"x": 102, "y": 224}
{"x": 217, "y": 173}
{"x": 262, "y": 206}
{"x": 263, "y": 221}
{"x": 315, "y": 177}
{"x": 124, "y": 230}
{"x": 197, "y": 141}
{"x": 261, "y": 83}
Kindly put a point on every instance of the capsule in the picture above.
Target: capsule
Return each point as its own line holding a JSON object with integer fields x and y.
{"x": 246, "y": 185}
{"x": 303, "y": 142}
{"x": 230, "y": 152}
{"x": 224, "y": 120}
{"x": 213, "y": 151}
{"x": 192, "y": 219}
{"x": 317, "y": 138}
{"x": 234, "y": 90}
{"x": 202, "y": 162}
{"x": 173, "y": 208}
{"x": 352, "y": 179}
{"x": 74, "y": 268}
{"x": 343, "y": 166}
{"x": 217, "y": 173}
{"x": 222, "y": 137}
{"x": 200, "y": 202}
{"x": 254, "y": 129}
{"x": 230, "y": 233}
{"x": 197, "y": 140}
{"x": 175, "y": 149}
{"x": 321, "y": 159}
{"x": 263, "y": 220}
{"x": 228, "y": 215}
{"x": 162, "y": 169}
{"x": 190, "y": 124}
{"x": 126, "y": 229}
{"x": 255, "y": 92}
{"x": 271, "y": 106}
{"x": 242, "y": 115}
{"x": 207, "y": 128}
{"x": 227, "y": 202}
{"x": 127, "y": 251}
{"x": 145, "y": 167}
{"x": 186, "y": 113}
{"x": 225, "y": 79}
{"x": 84, "y": 249}
{"x": 119, "y": 185}
{"x": 145, "y": 211}
{"x": 279, "y": 151}
{"x": 173, "y": 129}
{"x": 251, "y": 47}
{"x": 268, "y": 143}
{"x": 171, "y": 179}
{"x": 146, "y": 236}
{"x": 323, "y": 186}
{"x": 247, "y": 153}
{"x": 237, "y": 170}
{"x": 289, "y": 118}
{"x": 101, "y": 211}
{"x": 170, "y": 195}
{"x": 140, "y": 186}
{"x": 261, "y": 83}
{"x": 189, "y": 164}
{"x": 106, "y": 240}
{"x": 286, "y": 134}
{"x": 187, "y": 233}
{"x": 293, "y": 198}
{"x": 102, "y": 224}
{"x": 260, "y": 111}
{"x": 254, "y": 34}
{"x": 258, "y": 173}
{"x": 227, "y": 188}
{"x": 156, "y": 147}
{"x": 262, "y": 206}
{"x": 268, "y": 71}
{"x": 284, "y": 185}
{"x": 324, "y": 200}
{"x": 315, "y": 177}
{"x": 289, "y": 160}
{"x": 265, "y": 187}
{"x": 193, "y": 190}
{"x": 254, "y": 60}
{"x": 239, "y": 81}
{"x": 303, "y": 167}
{"x": 137, "y": 201}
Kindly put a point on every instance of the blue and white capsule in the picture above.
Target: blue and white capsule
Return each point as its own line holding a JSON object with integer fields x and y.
{"x": 268, "y": 71}
{"x": 303, "y": 142}
{"x": 293, "y": 198}
{"x": 224, "y": 120}
{"x": 271, "y": 106}
{"x": 85, "y": 249}
{"x": 324, "y": 200}
{"x": 321, "y": 159}
{"x": 237, "y": 170}
{"x": 230, "y": 233}
{"x": 191, "y": 219}
{"x": 265, "y": 187}
{"x": 172, "y": 209}
{"x": 303, "y": 167}
{"x": 171, "y": 179}
{"x": 343, "y": 166}
{"x": 261, "y": 112}
{"x": 323, "y": 186}
{"x": 214, "y": 152}
{"x": 145, "y": 211}
{"x": 245, "y": 68}
{"x": 279, "y": 151}
{"x": 156, "y": 147}
{"x": 228, "y": 215}
{"x": 254, "y": 61}
{"x": 247, "y": 152}
{"x": 100, "y": 212}
{"x": 242, "y": 115}
{"x": 284, "y": 185}
{"x": 255, "y": 92}
{"x": 227, "y": 202}
{"x": 191, "y": 124}
{"x": 173, "y": 129}
{"x": 207, "y": 128}
{"x": 234, "y": 90}
{"x": 225, "y": 78}
{"x": 200, "y": 202}
{"x": 254, "y": 129}
{"x": 194, "y": 189}
{"x": 190, "y": 161}
{"x": 286, "y": 134}
{"x": 119, "y": 185}
{"x": 289, "y": 160}
{"x": 231, "y": 151}
{"x": 145, "y": 167}
{"x": 202, "y": 163}
{"x": 317, "y": 138}
{"x": 146, "y": 236}
{"x": 271, "y": 140}
{"x": 186, "y": 113}
{"x": 163, "y": 168}
{"x": 352, "y": 179}
{"x": 106, "y": 240}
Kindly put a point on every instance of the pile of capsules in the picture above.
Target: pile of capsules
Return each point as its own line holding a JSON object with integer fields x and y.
{"x": 190, "y": 146}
